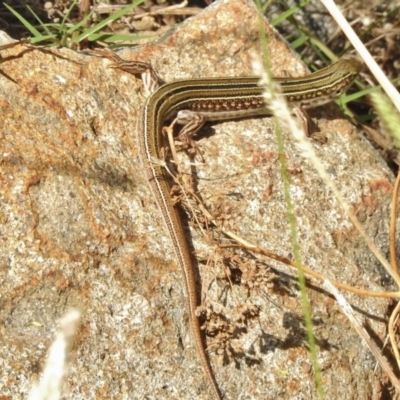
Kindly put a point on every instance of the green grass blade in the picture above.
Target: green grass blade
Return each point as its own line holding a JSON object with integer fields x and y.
{"x": 111, "y": 18}
{"x": 41, "y": 23}
{"x": 300, "y": 41}
{"x": 74, "y": 28}
{"x": 24, "y": 22}
{"x": 68, "y": 13}
{"x": 51, "y": 38}
{"x": 111, "y": 37}
{"x": 285, "y": 15}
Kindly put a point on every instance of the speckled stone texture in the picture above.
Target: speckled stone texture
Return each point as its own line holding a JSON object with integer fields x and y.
{"x": 79, "y": 228}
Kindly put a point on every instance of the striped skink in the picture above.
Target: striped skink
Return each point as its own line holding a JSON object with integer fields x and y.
{"x": 195, "y": 101}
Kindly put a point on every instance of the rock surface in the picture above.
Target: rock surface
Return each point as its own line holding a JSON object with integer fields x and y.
{"x": 79, "y": 228}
